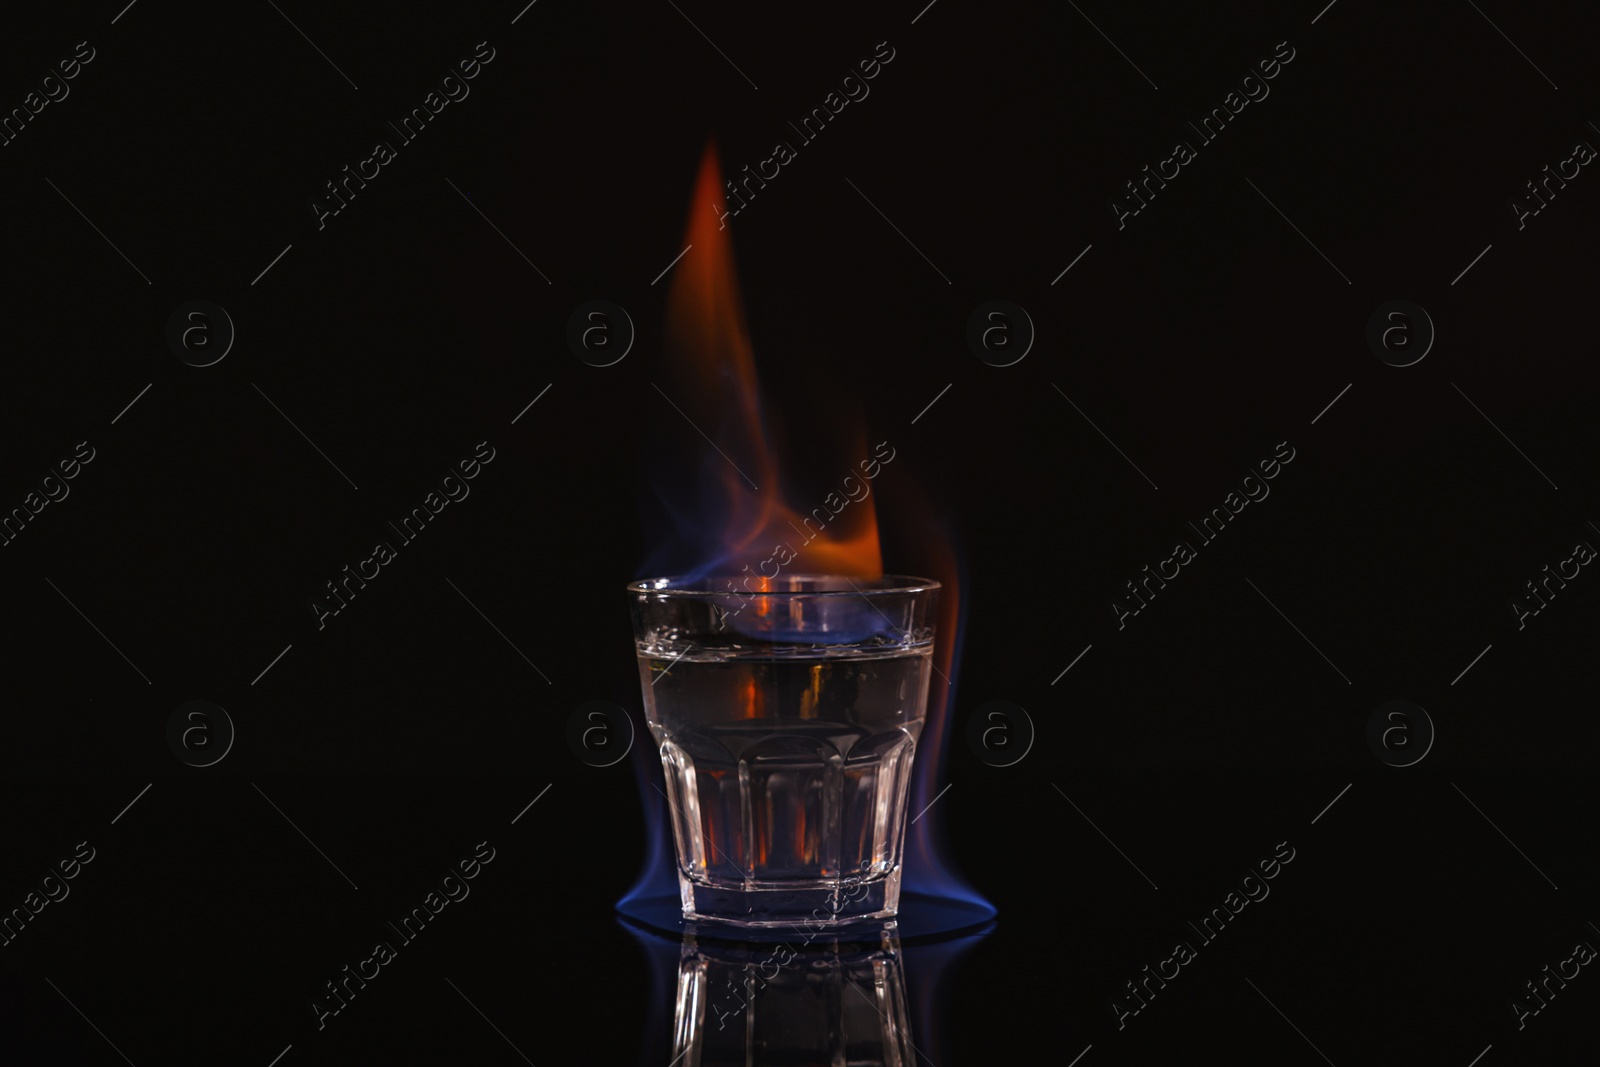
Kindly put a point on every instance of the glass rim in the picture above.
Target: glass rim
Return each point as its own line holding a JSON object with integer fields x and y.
{"x": 886, "y": 585}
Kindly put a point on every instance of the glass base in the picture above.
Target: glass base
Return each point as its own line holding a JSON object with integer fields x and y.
{"x": 820, "y": 907}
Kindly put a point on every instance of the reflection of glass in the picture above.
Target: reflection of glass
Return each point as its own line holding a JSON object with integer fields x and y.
{"x": 787, "y": 720}
{"x": 787, "y": 1018}
{"x": 822, "y": 1002}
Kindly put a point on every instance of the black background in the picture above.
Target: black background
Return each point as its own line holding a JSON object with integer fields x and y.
{"x": 1196, "y": 338}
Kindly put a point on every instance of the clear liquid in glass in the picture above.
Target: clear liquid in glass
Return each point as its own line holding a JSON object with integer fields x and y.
{"x": 787, "y": 777}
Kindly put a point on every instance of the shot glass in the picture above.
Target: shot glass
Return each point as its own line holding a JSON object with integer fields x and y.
{"x": 787, "y": 713}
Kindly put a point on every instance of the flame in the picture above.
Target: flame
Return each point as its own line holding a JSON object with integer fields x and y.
{"x": 718, "y": 390}
{"x": 717, "y": 376}
{"x": 930, "y": 871}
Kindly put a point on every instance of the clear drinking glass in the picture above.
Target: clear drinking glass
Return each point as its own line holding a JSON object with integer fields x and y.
{"x": 787, "y": 712}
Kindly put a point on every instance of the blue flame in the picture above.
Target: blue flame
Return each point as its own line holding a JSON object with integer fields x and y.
{"x": 928, "y": 867}
{"x": 659, "y": 877}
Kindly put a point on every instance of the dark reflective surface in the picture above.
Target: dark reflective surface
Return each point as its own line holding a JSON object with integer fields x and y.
{"x": 866, "y": 998}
